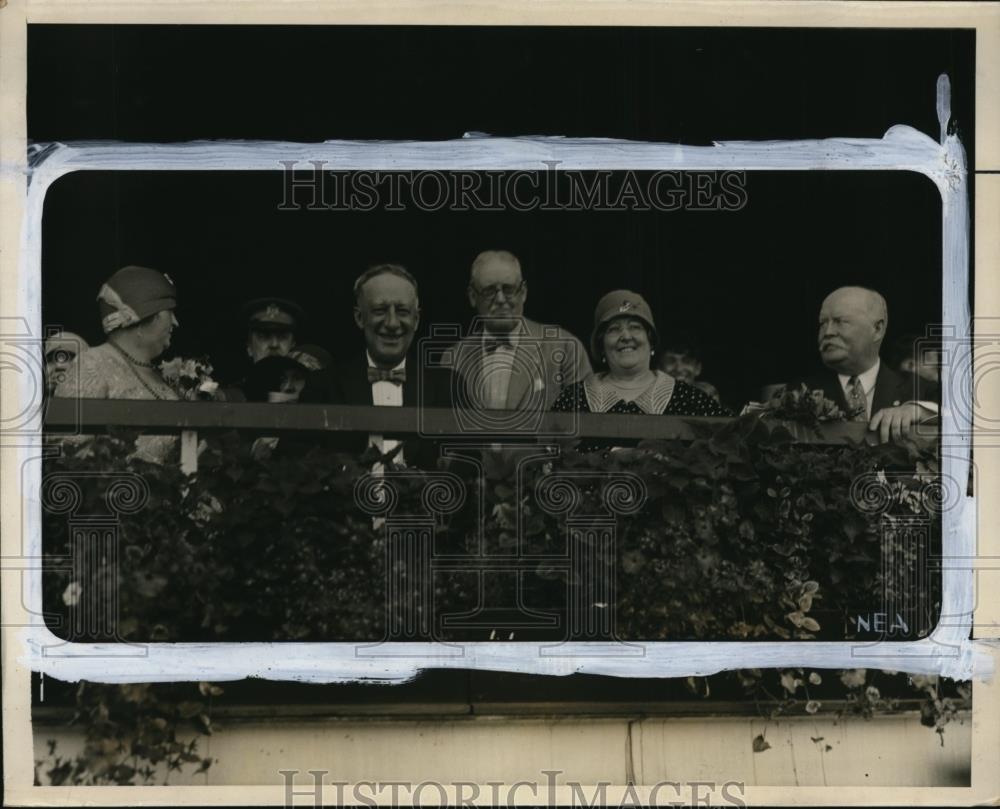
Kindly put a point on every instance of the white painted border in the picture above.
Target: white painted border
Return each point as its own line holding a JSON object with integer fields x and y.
{"x": 948, "y": 651}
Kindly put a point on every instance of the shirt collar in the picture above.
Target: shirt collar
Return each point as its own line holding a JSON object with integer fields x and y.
{"x": 512, "y": 336}
{"x": 520, "y": 330}
{"x": 867, "y": 379}
{"x": 371, "y": 363}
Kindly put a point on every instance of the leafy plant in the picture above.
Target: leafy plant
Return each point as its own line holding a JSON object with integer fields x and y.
{"x": 742, "y": 534}
{"x": 132, "y": 734}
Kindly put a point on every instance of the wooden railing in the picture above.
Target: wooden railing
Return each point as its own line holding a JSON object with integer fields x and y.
{"x": 97, "y": 415}
{"x": 88, "y": 416}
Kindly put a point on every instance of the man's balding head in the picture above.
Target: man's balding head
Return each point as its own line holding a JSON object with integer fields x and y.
{"x": 852, "y": 324}
{"x": 493, "y": 260}
{"x": 496, "y": 289}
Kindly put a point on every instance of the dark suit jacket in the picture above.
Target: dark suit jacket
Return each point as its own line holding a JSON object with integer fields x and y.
{"x": 347, "y": 383}
{"x": 891, "y": 388}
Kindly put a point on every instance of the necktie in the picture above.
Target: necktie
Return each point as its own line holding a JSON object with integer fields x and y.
{"x": 397, "y": 375}
{"x": 493, "y": 343}
{"x": 857, "y": 400}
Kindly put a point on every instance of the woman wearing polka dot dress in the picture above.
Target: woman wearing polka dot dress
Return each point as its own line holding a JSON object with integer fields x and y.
{"x": 623, "y": 342}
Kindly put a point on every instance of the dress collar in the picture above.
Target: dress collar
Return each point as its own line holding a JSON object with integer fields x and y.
{"x": 602, "y": 396}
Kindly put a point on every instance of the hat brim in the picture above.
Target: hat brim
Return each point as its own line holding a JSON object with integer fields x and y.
{"x": 250, "y": 308}
{"x": 600, "y": 328}
{"x": 271, "y": 327}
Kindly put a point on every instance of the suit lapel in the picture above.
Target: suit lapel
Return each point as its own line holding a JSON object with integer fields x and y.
{"x": 890, "y": 389}
{"x": 357, "y": 388}
{"x": 832, "y": 390}
{"x": 520, "y": 378}
{"x": 526, "y": 358}
{"x": 469, "y": 366}
{"x": 410, "y": 397}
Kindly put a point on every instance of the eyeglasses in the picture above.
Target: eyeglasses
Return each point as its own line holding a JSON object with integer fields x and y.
{"x": 491, "y": 293}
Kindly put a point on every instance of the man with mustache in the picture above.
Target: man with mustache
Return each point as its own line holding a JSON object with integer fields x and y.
{"x": 272, "y": 325}
{"x": 852, "y": 326}
{"x": 387, "y": 311}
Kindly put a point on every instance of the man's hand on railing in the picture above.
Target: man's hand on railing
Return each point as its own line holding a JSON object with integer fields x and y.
{"x": 900, "y": 423}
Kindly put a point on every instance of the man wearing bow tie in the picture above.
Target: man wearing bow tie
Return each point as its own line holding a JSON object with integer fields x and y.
{"x": 507, "y": 361}
{"x": 510, "y": 369}
{"x": 387, "y": 310}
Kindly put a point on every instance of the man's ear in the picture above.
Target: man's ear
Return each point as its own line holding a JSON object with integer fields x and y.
{"x": 879, "y": 329}
{"x": 359, "y": 318}
{"x": 473, "y": 300}
{"x": 907, "y": 365}
{"x": 249, "y": 349}
{"x": 524, "y": 292}
{"x": 416, "y": 317}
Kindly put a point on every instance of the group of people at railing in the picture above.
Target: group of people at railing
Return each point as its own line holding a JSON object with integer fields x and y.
{"x": 505, "y": 362}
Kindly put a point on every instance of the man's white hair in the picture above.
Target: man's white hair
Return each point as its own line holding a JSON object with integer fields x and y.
{"x": 874, "y": 302}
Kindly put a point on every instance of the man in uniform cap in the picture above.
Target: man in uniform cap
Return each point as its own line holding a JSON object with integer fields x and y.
{"x": 271, "y": 327}
{"x": 272, "y": 324}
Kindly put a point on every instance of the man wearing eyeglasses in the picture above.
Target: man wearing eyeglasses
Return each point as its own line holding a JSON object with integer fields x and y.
{"x": 387, "y": 311}
{"x": 508, "y": 361}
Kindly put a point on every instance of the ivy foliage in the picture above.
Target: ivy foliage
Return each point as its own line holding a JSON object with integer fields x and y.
{"x": 741, "y": 533}
{"x": 738, "y": 534}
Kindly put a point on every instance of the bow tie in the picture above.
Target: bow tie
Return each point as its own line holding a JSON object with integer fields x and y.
{"x": 491, "y": 344}
{"x": 397, "y": 375}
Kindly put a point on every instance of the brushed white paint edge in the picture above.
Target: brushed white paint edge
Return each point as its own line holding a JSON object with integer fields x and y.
{"x": 949, "y": 651}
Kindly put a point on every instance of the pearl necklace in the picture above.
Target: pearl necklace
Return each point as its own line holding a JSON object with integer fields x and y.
{"x": 130, "y": 358}
{"x": 132, "y": 361}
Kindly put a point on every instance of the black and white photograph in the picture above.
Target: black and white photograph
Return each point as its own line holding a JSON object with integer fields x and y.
{"x": 530, "y": 413}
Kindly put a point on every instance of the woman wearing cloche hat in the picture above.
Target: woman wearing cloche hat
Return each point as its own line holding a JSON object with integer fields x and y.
{"x": 137, "y": 315}
{"x": 623, "y": 342}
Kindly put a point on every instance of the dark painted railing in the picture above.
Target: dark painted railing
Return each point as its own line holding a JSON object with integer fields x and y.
{"x": 88, "y": 416}
{"x": 97, "y": 415}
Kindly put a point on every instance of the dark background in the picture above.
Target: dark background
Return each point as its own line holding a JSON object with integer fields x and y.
{"x": 747, "y": 284}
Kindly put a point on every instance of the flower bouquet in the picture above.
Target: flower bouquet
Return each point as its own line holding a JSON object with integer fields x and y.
{"x": 804, "y": 406}
{"x": 191, "y": 378}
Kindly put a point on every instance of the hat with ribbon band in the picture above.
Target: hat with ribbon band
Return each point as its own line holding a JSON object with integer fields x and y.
{"x": 133, "y": 294}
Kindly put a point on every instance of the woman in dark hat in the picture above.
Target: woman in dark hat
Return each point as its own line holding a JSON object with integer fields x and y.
{"x": 623, "y": 342}
{"x": 275, "y": 379}
{"x": 137, "y": 315}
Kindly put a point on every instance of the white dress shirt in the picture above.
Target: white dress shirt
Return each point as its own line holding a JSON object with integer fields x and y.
{"x": 497, "y": 367}
{"x": 386, "y": 394}
{"x": 867, "y": 380}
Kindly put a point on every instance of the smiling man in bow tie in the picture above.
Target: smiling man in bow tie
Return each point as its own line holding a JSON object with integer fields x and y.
{"x": 387, "y": 311}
